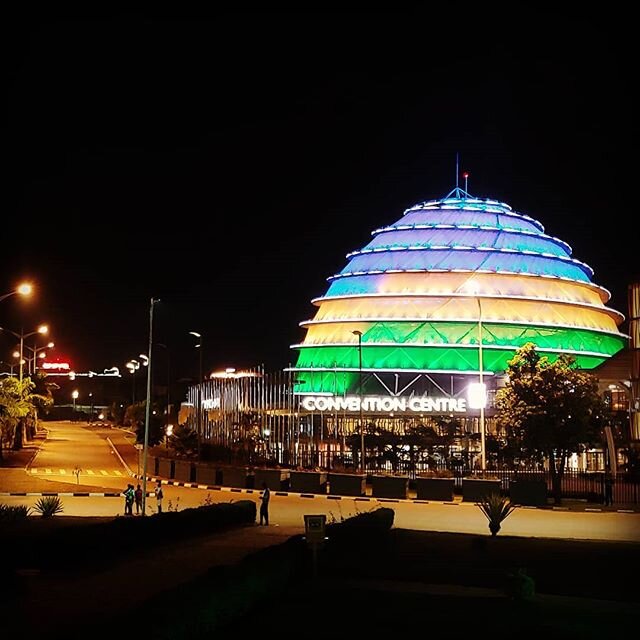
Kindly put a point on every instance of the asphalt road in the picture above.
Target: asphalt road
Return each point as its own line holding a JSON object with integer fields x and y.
{"x": 73, "y": 445}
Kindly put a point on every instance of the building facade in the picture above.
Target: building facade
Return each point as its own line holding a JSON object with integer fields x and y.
{"x": 418, "y": 327}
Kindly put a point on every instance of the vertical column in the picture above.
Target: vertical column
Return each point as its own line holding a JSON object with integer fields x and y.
{"x": 634, "y": 332}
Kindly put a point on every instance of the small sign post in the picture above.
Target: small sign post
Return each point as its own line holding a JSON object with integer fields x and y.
{"x": 139, "y": 447}
{"x": 314, "y": 527}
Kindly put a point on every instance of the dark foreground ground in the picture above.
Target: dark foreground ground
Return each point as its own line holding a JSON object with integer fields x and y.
{"x": 458, "y": 585}
{"x": 375, "y": 586}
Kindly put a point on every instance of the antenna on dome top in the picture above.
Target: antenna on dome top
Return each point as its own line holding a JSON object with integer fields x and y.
{"x": 457, "y": 192}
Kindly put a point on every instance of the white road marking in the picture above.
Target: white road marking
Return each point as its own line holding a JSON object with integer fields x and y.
{"x": 103, "y": 472}
{"x": 91, "y": 472}
{"x": 63, "y": 472}
{"x": 34, "y": 470}
{"x": 48, "y": 471}
{"x": 118, "y": 473}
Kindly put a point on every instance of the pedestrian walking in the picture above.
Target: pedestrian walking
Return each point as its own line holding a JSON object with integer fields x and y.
{"x": 128, "y": 494}
{"x": 159, "y": 496}
{"x": 138, "y": 498}
{"x": 264, "y": 504}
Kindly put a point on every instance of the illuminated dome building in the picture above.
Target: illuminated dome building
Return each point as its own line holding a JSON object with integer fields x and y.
{"x": 448, "y": 291}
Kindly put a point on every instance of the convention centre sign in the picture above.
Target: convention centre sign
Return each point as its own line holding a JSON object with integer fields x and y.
{"x": 385, "y": 404}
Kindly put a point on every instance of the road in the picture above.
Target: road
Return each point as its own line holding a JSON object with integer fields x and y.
{"x": 70, "y": 445}
{"x": 75, "y": 446}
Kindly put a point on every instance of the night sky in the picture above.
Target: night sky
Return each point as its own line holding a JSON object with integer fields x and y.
{"x": 226, "y": 165}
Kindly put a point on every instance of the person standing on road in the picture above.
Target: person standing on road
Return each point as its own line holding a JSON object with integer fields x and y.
{"x": 264, "y": 504}
{"x": 138, "y": 497}
{"x": 159, "y": 496}
{"x": 128, "y": 500}
{"x": 608, "y": 489}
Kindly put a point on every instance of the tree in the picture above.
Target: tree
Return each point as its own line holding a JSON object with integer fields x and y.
{"x": 15, "y": 406}
{"x": 41, "y": 399}
{"x": 551, "y": 409}
{"x": 184, "y": 442}
{"x": 135, "y": 416}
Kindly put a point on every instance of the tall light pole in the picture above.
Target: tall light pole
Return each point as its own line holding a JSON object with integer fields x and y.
{"x": 198, "y": 346}
{"x": 359, "y": 334}
{"x": 154, "y": 301}
{"x": 199, "y": 425}
{"x": 479, "y": 399}
{"x": 43, "y": 329}
{"x": 133, "y": 366}
{"x": 483, "y": 462}
{"x": 74, "y": 395}
{"x": 38, "y": 352}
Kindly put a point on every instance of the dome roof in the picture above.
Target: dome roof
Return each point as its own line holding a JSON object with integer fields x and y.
{"x": 449, "y": 274}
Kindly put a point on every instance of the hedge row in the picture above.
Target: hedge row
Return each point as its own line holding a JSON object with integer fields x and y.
{"x": 96, "y": 544}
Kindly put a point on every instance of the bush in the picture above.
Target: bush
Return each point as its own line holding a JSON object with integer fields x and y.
{"x": 378, "y": 521}
{"x": 13, "y": 513}
{"x": 496, "y": 508}
{"x": 48, "y": 506}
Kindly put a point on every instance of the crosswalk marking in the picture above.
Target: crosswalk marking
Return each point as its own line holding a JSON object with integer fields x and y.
{"x": 83, "y": 472}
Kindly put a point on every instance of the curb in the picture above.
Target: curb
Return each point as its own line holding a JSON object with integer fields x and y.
{"x": 122, "y": 462}
{"x": 37, "y": 451}
{"x": 195, "y": 485}
{"x": 68, "y": 494}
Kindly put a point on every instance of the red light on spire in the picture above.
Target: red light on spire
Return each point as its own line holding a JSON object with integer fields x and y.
{"x": 465, "y": 175}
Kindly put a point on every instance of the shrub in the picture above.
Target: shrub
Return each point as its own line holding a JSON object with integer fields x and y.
{"x": 496, "y": 508}
{"x": 13, "y": 513}
{"x": 48, "y": 506}
{"x": 377, "y": 521}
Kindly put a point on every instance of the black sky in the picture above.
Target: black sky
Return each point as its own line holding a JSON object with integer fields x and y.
{"x": 227, "y": 164}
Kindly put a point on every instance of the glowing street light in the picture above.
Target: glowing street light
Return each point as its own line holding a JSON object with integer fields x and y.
{"x": 133, "y": 366}
{"x": 25, "y": 289}
{"x": 74, "y": 396}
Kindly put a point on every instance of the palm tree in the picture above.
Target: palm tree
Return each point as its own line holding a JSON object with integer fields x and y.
{"x": 15, "y": 406}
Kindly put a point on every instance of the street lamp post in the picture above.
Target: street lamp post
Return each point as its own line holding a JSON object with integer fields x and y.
{"x": 481, "y": 397}
{"x": 199, "y": 410}
{"x": 43, "y": 329}
{"x": 198, "y": 346}
{"x": 10, "y": 365}
{"x": 38, "y": 352}
{"x": 133, "y": 366}
{"x": 74, "y": 396}
{"x": 24, "y": 289}
{"x": 154, "y": 301}
{"x": 359, "y": 334}
{"x": 482, "y": 388}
